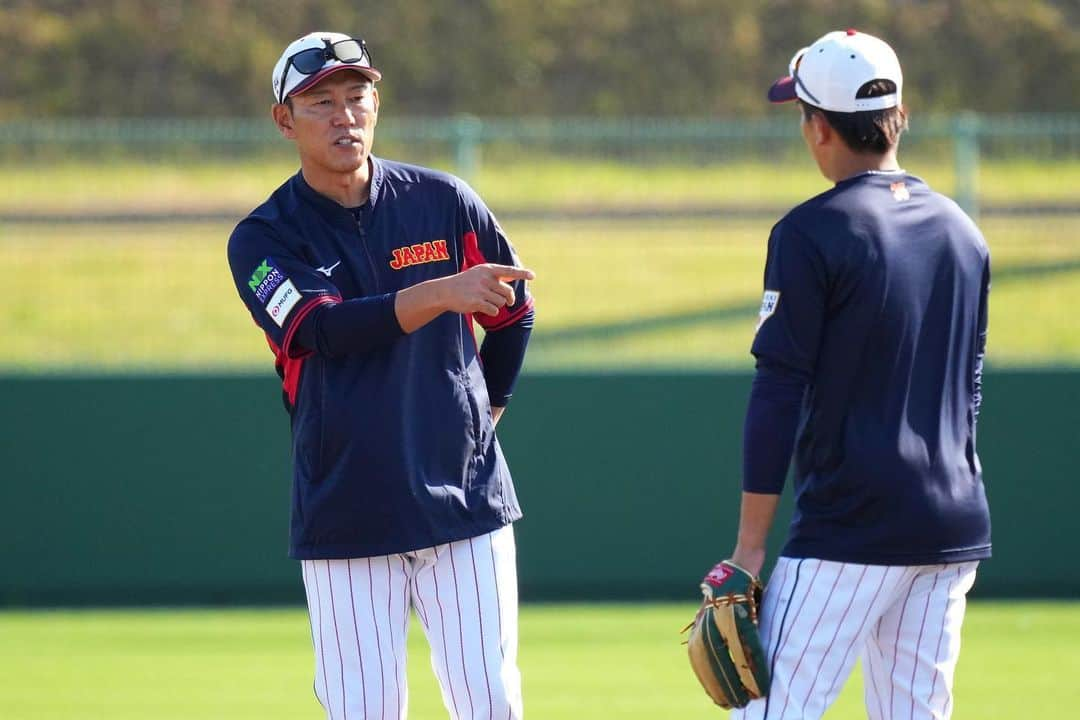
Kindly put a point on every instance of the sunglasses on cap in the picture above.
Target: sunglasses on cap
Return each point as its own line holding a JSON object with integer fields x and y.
{"x": 312, "y": 60}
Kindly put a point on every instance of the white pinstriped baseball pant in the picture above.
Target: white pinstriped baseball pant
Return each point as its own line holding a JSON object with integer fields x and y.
{"x": 904, "y": 623}
{"x": 465, "y": 596}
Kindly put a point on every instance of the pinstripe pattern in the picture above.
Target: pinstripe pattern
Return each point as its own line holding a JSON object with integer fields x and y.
{"x": 470, "y": 645}
{"x": 378, "y": 639}
{"x": 872, "y": 698}
{"x": 771, "y": 605}
{"x": 356, "y": 635}
{"x": 337, "y": 639}
{"x": 956, "y": 606}
{"x": 480, "y": 622}
{"x": 896, "y": 647}
{"x": 417, "y": 598}
{"x": 813, "y": 630}
{"x": 780, "y": 634}
{"x": 498, "y": 595}
{"x": 311, "y": 625}
{"x": 794, "y": 623}
{"x": 834, "y": 686}
{"x": 774, "y": 591}
{"x": 486, "y": 657}
{"x": 827, "y": 655}
{"x": 880, "y": 642}
{"x": 918, "y": 643}
{"x": 347, "y": 597}
{"x": 403, "y": 688}
{"x": 813, "y": 647}
{"x": 944, "y": 587}
{"x": 393, "y": 640}
{"x": 844, "y": 657}
{"x": 461, "y": 629}
{"x": 941, "y": 633}
{"x": 510, "y": 705}
{"x": 446, "y": 680}
{"x": 325, "y": 699}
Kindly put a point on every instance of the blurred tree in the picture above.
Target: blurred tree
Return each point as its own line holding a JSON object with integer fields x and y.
{"x": 511, "y": 57}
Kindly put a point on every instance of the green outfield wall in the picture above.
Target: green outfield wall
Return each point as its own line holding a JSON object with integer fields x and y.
{"x": 175, "y": 490}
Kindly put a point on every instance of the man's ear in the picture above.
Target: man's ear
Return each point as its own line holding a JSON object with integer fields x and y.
{"x": 283, "y": 119}
{"x": 821, "y": 131}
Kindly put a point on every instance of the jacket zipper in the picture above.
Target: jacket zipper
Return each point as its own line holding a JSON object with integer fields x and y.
{"x": 367, "y": 254}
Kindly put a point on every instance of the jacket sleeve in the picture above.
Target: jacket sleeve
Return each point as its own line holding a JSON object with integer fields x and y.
{"x": 279, "y": 288}
{"x": 483, "y": 241}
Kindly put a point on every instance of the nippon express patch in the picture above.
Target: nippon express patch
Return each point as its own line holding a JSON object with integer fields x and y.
{"x": 265, "y": 280}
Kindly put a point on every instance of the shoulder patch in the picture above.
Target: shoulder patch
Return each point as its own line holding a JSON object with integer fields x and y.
{"x": 768, "y": 306}
{"x": 265, "y": 279}
{"x": 282, "y": 302}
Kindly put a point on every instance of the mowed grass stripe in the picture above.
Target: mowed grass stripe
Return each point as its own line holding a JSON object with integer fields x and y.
{"x": 609, "y": 294}
{"x": 579, "y": 661}
{"x": 700, "y": 176}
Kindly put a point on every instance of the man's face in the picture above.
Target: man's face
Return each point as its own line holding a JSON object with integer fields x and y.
{"x": 333, "y": 123}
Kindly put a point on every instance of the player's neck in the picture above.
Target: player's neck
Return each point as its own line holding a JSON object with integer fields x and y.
{"x": 348, "y": 189}
{"x": 850, "y": 164}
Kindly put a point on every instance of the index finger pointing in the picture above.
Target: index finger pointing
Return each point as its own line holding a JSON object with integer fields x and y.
{"x": 509, "y": 272}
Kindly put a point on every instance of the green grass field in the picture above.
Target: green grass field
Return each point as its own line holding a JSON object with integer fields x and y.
{"x": 578, "y": 662}
{"x": 610, "y": 294}
{"x": 531, "y": 182}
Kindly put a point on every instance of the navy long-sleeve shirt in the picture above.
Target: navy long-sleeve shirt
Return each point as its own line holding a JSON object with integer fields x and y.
{"x": 869, "y": 345}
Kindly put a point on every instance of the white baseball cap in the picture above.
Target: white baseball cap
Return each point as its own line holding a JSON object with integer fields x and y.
{"x": 309, "y": 59}
{"x": 829, "y": 73}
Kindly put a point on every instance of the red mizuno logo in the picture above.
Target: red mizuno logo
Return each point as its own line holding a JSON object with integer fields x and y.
{"x": 419, "y": 254}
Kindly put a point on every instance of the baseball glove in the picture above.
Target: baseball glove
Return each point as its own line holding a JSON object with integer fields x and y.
{"x": 725, "y": 649}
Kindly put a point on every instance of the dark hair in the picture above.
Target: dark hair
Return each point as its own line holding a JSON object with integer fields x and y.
{"x": 869, "y": 131}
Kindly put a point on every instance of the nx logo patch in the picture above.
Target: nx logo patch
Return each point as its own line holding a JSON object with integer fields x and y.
{"x": 282, "y": 302}
{"x": 899, "y": 191}
{"x": 265, "y": 279}
{"x": 419, "y": 254}
{"x": 768, "y": 306}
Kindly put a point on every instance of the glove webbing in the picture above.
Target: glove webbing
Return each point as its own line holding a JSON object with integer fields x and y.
{"x": 733, "y": 599}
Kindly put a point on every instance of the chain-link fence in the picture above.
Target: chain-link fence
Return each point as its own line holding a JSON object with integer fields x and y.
{"x": 648, "y": 236}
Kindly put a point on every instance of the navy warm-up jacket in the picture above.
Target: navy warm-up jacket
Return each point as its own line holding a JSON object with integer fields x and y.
{"x": 394, "y": 447}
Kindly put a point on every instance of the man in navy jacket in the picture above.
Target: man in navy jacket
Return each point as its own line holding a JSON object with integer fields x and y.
{"x": 366, "y": 276}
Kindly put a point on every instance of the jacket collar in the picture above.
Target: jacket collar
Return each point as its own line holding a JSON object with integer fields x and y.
{"x": 331, "y": 209}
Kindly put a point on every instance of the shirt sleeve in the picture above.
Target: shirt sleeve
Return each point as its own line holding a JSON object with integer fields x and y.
{"x": 772, "y": 420}
{"x": 980, "y": 342}
{"x": 278, "y": 286}
{"x": 483, "y": 241}
{"x": 794, "y": 303}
